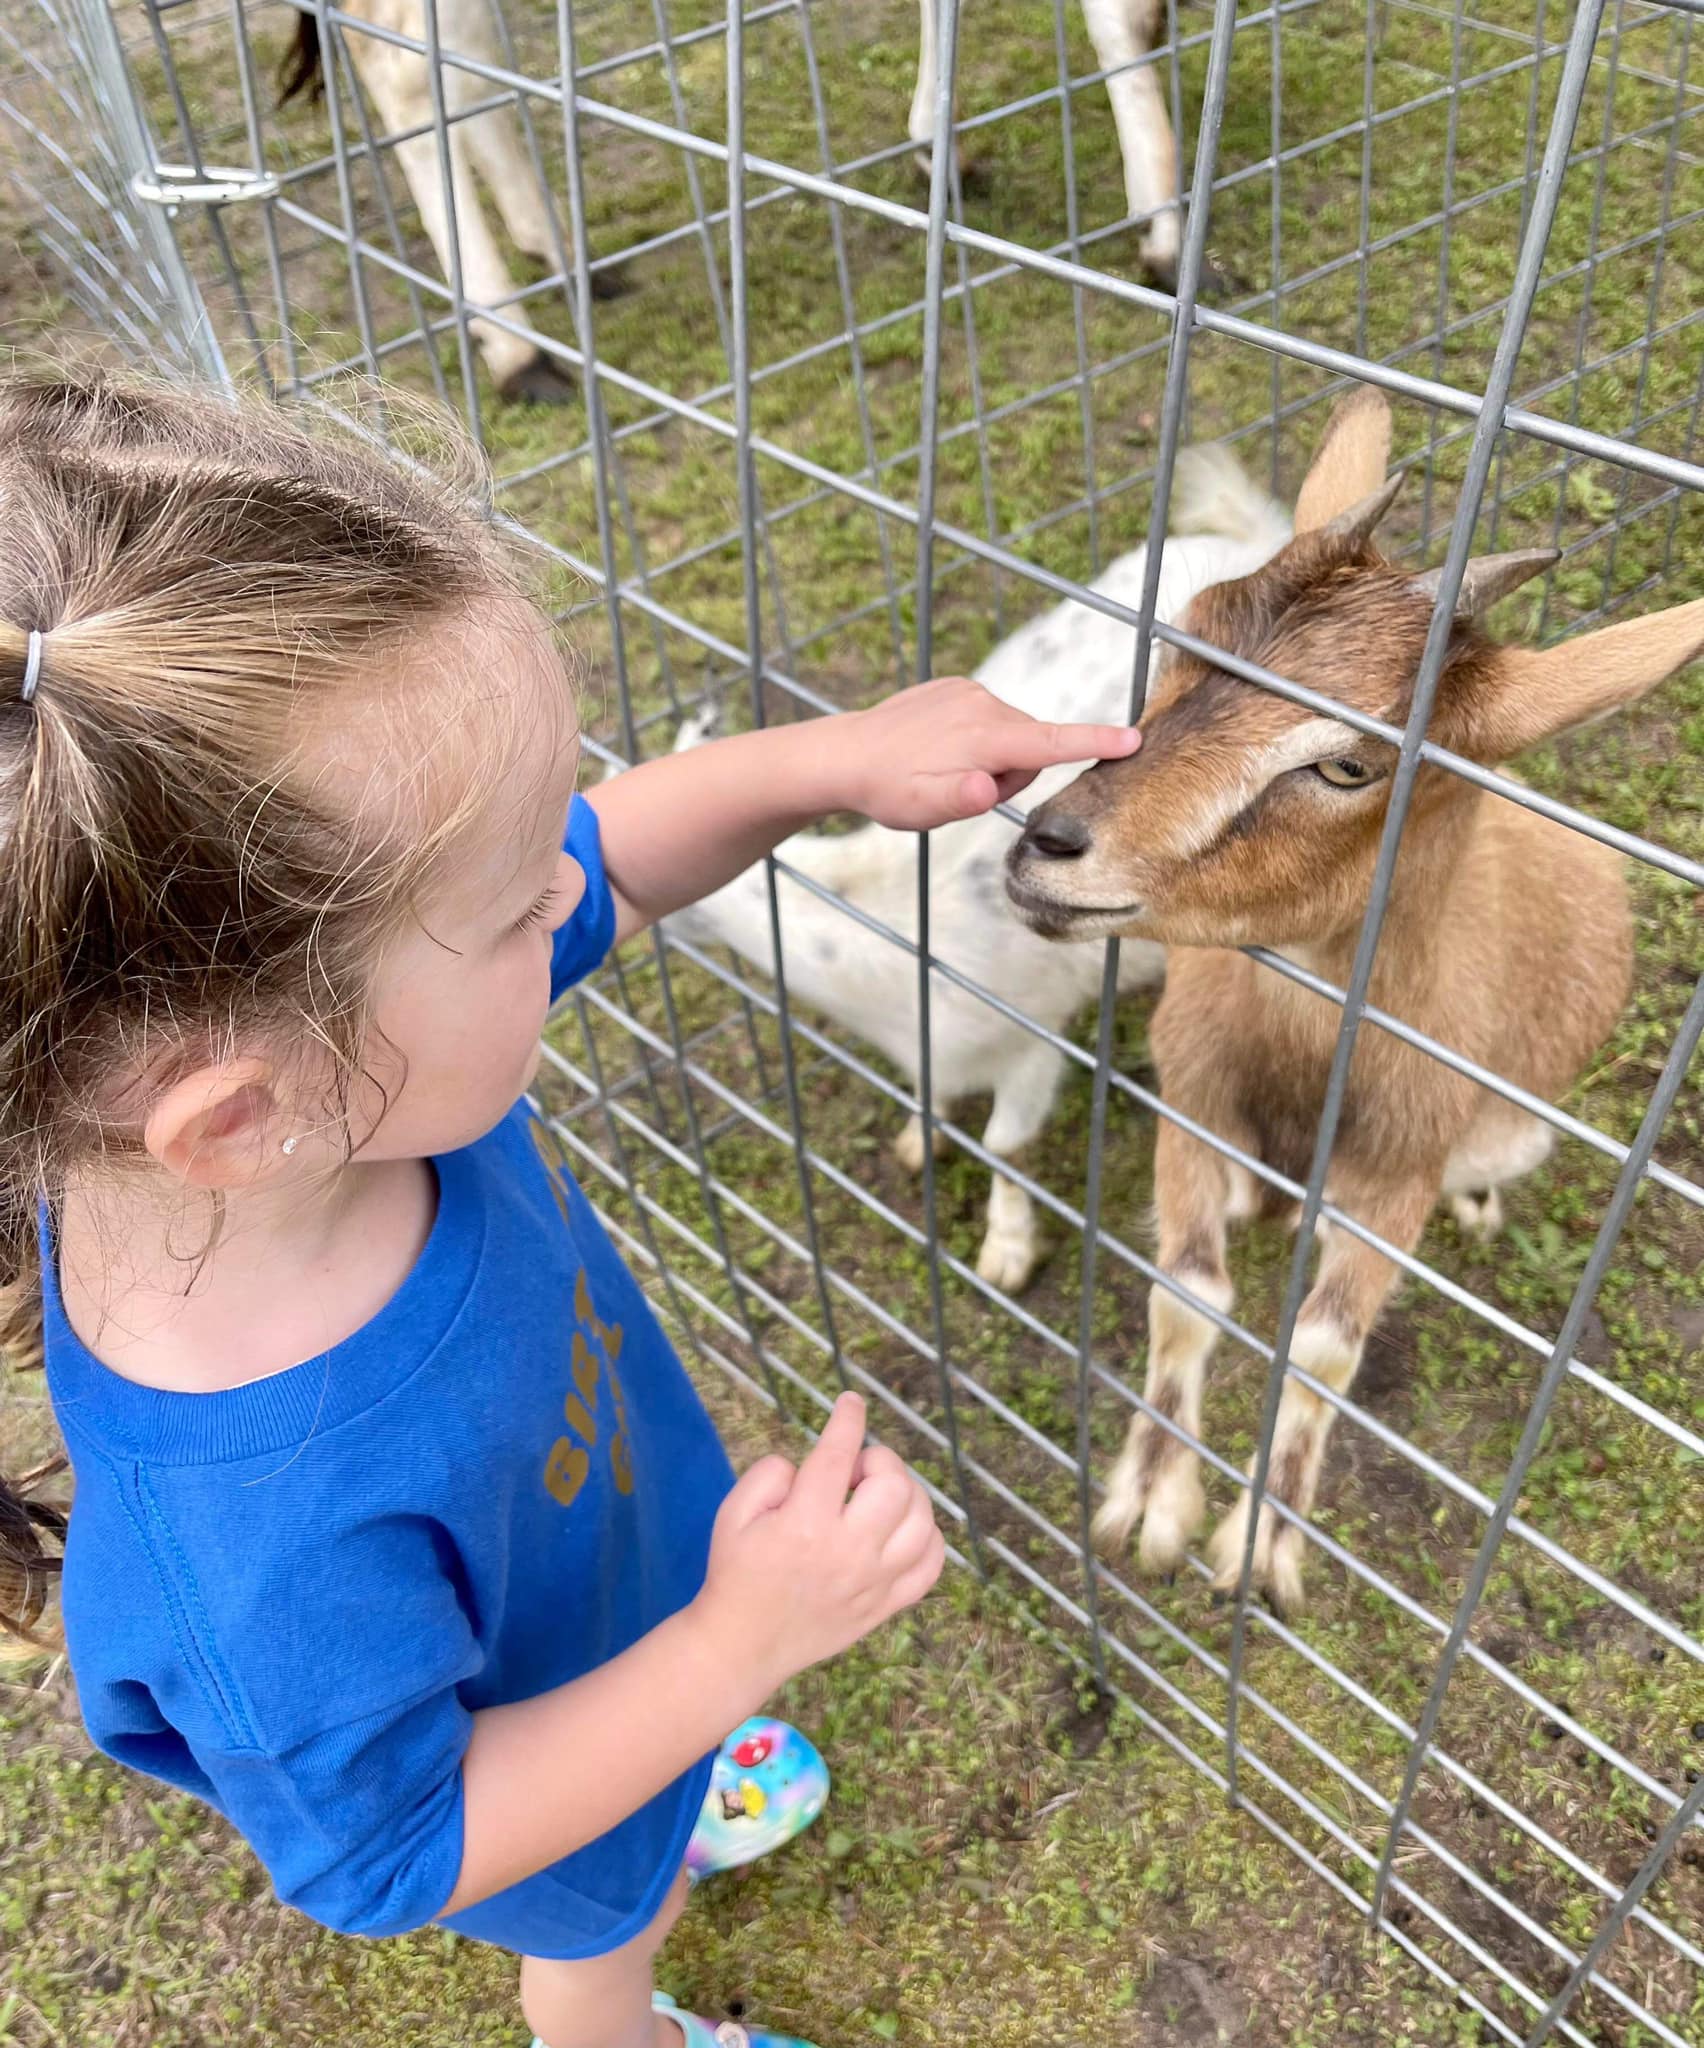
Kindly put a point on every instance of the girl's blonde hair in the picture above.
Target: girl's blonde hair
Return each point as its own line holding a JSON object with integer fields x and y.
{"x": 206, "y": 577}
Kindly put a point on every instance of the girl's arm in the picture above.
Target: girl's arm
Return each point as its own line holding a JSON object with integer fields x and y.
{"x": 798, "y": 1572}
{"x": 675, "y": 829}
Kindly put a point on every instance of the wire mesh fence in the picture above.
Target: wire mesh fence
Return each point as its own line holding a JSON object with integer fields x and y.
{"x": 800, "y": 398}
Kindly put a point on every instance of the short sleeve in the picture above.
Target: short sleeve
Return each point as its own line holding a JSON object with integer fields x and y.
{"x": 361, "y": 1827}
{"x": 584, "y": 941}
{"x": 307, "y": 1679}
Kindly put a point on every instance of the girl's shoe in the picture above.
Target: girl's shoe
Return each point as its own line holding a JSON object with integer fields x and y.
{"x": 766, "y": 1786}
{"x": 730, "y": 2034}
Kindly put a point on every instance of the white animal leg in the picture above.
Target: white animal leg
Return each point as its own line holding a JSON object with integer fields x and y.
{"x": 397, "y": 80}
{"x": 1478, "y": 1215}
{"x": 499, "y": 153}
{"x": 1122, "y": 30}
{"x": 922, "y": 126}
{"x": 1331, "y": 1332}
{"x": 908, "y": 1146}
{"x": 922, "y": 122}
{"x": 1496, "y": 1150}
{"x": 1023, "y": 1101}
{"x": 1156, "y": 1479}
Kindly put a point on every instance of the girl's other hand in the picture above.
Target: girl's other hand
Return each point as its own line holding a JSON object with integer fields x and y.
{"x": 949, "y": 749}
{"x": 804, "y": 1563}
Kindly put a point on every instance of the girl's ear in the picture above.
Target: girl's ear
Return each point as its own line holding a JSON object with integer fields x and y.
{"x": 219, "y": 1127}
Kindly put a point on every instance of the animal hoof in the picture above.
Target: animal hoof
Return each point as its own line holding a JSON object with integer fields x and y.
{"x": 972, "y": 178}
{"x": 908, "y": 1148}
{"x": 1478, "y": 1216}
{"x": 1282, "y": 1591}
{"x": 1276, "y": 1573}
{"x": 614, "y": 283}
{"x": 1176, "y": 1508}
{"x": 1115, "y": 1520}
{"x": 539, "y": 381}
{"x": 1161, "y": 272}
{"x": 1215, "y": 281}
{"x": 1007, "y": 1262}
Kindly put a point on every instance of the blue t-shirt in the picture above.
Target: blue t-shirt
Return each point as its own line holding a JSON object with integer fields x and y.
{"x": 290, "y": 1597}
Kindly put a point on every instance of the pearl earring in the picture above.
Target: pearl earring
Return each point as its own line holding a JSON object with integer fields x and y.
{"x": 289, "y": 1146}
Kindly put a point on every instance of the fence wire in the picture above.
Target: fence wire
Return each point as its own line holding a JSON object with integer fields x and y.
{"x": 791, "y": 429}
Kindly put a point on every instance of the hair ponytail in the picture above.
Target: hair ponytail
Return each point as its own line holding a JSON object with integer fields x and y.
{"x": 31, "y": 1530}
{"x": 185, "y": 584}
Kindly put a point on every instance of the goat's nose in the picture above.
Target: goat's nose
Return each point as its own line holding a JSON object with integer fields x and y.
{"x": 1061, "y": 837}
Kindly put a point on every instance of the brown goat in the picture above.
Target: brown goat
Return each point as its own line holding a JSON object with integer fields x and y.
{"x": 1247, "y": 820}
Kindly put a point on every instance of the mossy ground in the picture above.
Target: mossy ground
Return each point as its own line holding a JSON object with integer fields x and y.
{"x": 1007, "y": 1861}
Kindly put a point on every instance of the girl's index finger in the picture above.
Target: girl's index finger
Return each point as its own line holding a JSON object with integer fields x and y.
{"x": 825, "y": 1476}
{"x": 1042, "y": 744}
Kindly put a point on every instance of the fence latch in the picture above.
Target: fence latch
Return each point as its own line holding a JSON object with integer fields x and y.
{"x": 175, "y": 185}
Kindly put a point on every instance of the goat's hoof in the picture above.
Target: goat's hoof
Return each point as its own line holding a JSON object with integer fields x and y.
{"x": 1480, "y": 1215}
{"x": 973, "y": 179}
{"x": 1161, "y": 271}
{"x": 1282, "y": 1590}
{"x": 1115, "y": 1522}
{"x": 1007, "y": 1262}
{"x": 908, "y": 1146}
{"x": 1215, "y": 282}
{"x": 614, "y": 283}
{"x": 539, "y": 381}
{"x": 1275, "y": 1576}
{"x": 1176, "y": 1509}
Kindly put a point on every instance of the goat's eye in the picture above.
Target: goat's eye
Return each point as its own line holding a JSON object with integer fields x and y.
{"x": 1344, "y": 774}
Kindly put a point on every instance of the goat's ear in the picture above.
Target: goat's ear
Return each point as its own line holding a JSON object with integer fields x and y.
{"x": 1521, "y": 696}
{"x": 1352, "y": 461}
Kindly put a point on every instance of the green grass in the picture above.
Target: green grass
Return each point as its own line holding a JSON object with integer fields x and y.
{"x": 948, "y": 1898}
{"x": 992, "y": 1855}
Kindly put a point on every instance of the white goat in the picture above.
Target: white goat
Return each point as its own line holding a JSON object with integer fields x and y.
{"x": 1070, "y": 663}
{"x": 1122, "y": 32}
{"x": 398, "y": 82}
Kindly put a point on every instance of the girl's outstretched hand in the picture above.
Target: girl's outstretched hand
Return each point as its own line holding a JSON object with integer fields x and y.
{"x": 949, "y": 749}
{"x": 803, "y": 1563}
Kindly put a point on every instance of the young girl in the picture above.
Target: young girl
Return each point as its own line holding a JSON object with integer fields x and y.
{"x": 400, "y": 1536}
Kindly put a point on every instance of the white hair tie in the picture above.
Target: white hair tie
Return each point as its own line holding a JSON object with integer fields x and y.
{"x": 32, "y": 670}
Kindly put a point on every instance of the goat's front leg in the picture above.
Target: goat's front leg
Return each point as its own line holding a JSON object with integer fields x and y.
{"x": 518, "y": 367}
{"x": 922, "y": 122}
{"x": 1331, "y": 1332}
{"x": 1156, "y": 1479}
{"x": 498, "y": 148}
{"x": 494, "y": 140}
{"x": 1122, "y": 31}
{"x": 400, "y": 87}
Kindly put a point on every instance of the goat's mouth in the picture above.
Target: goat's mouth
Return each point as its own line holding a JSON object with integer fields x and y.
{"x": 1053, "y": 918}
